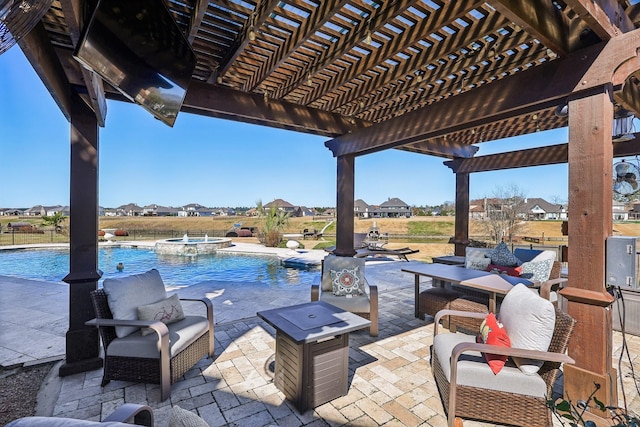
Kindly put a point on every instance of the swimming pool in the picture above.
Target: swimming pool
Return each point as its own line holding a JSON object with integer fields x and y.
{"x": 52, "y": 265}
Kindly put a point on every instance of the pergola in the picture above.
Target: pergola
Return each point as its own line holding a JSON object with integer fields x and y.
{"x": 434, "y": 77}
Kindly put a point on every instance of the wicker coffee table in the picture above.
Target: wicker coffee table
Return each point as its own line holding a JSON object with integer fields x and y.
{"x": 312, "y": 351}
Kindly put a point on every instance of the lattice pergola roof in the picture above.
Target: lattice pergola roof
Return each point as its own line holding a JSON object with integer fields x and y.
{"x": 335, "y": 67}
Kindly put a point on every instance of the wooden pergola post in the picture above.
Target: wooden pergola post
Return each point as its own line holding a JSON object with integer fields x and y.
{"x": 590, "y": 223}
{"x": 82, "y": 342}
{"x": 344, "y": 205}
{"x": 461, "y": 237}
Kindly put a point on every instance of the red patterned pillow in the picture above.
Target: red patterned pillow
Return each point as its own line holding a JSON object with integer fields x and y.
{"x": 492, "y": 333}
{"x": 501, "y": 269}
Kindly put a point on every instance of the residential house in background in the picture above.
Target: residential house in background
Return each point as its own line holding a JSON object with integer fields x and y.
{"x": 130, "y": 209}
{"x": 392, "y": 208}
{"x": 536, "y": 208}
{"x": 293, "y": 211}
{"x": 620, "y": 211}
{"x": 361, "y": 208}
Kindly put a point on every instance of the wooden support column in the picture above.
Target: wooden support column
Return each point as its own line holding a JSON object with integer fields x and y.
{"x": 590, "y": 157}
{"x": 461, "y": 238}
{"x": 344, "y": 206}
{"x": 82, "y": 342}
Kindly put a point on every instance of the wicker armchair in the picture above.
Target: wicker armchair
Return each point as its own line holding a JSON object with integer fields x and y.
{"x": 170, "y": 358}
{"x": 470, "y": 390}
{"x": 364, "y": 305}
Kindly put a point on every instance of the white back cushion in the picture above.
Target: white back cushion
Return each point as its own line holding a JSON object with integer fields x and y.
{"x": 125, "y": 294}
{"x": 529, "y": 320}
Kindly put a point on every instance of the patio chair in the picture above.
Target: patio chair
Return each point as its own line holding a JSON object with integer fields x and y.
{"x": 517, "y": 394}
{"x": 159, "y": 353}
{"x": 126, "y": 415}
{"x": 342, "y": 283}
{"x": 376, "y": 251}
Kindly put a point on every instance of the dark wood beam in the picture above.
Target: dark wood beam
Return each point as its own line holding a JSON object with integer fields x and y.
{"x": 199, "y": 9}
{"x": 442, "y": 147}
{"x": 606, "y": 18}
{"x": 42, "y": 57}
{"x": 216, "y": 101}
{"x": 549, "y": 155}
{"x": 73, "y": 15}
{"x": 540, "y": 19}
{"x": 533, "y": 90}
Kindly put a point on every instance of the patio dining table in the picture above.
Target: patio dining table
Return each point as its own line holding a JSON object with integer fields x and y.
{"x": 493, "y": 284}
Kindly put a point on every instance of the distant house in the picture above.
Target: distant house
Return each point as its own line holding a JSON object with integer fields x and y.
{"x": 195, "y": 209}
{"x": 533, "y": 208}
{"x": 130, "y": 209}
{"x": 283, "y": 205}
{"x": 37, "y": 210}
{"x": 392, "y": 208}
{"x": 361, "y": 208}
{"x": 537, "y": 209}
{"x": 12, "y": 212}
{"x": 620, "y": 211}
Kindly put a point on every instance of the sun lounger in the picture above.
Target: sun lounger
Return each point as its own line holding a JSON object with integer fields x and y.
{"x": 400, "y": 253}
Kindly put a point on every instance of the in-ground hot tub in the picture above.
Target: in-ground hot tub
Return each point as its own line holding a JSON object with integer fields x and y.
{"x": 192, "y": 246}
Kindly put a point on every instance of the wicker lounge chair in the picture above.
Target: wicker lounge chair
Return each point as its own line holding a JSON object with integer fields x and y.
{"x": 469, "y": 388}
{"x": 371, "y": 251}
{"x": 161, "y": 357}
{"x": 365, "y": 305}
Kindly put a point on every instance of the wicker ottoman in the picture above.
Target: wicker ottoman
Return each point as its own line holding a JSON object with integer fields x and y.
{"x": 467, "y": 303}
{"x": 435, "y": 299}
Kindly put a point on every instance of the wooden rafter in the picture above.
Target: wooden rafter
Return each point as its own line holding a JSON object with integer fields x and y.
{"x": 42, "y": 57}
{"x": 199, "y": 9}
{"x": 412, "y": 35}
{"x": 338, "y": 50}
{"x": 213, "y": 101}
{"x": 474, "y": 32}
{"x": 540, "y": 19}
{"x": 316, "y": 20}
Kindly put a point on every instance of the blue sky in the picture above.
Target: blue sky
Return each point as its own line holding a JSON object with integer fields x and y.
{"x": 220, "y": 162}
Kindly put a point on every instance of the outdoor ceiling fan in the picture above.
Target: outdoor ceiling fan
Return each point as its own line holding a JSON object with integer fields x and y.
{"x": 17, "y": 18}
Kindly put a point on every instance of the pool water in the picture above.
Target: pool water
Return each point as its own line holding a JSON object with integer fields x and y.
{"x": 52, "y": 265}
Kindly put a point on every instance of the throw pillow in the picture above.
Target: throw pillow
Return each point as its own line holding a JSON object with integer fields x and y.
{"x": 499, "y": 269}
{"x": 477, "y": 264}
{"x": 126, "y": 294}
{"x": 493, "y": 333}
{"x": 167, "y": 311}
{"x": 529, "y": 319}
{"x": 183, "y": 418}
{"x": 346, "y": 282}
{"x": 536, "y": 271}
{"x": 501, "y": 255}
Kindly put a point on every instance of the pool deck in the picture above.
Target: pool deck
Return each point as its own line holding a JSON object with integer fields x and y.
{"x": 390, "y": 380}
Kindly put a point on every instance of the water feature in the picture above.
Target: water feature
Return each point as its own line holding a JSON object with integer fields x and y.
{"x": 190, "y": 246}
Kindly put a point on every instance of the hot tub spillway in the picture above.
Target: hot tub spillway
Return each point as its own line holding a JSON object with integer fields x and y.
{"x": 192, "y": 246}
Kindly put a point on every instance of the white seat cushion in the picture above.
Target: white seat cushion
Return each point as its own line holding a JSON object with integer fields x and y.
{"x": 181, "y": 334}
{"x": 474, "y": 371}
